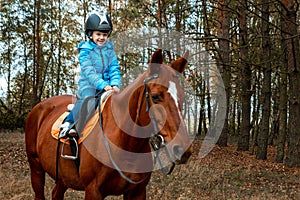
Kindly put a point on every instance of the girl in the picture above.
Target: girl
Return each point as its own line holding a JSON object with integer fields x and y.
{"x": 99, "y": 67}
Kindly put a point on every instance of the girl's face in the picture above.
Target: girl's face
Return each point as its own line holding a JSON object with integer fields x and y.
{"x": 99, "y": 37}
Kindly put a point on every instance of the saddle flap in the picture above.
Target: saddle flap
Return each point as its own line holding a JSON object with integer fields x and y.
{"x": 88, "y": 127}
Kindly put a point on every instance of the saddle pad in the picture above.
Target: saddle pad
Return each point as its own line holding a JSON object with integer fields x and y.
{"x": 87, "y": 129}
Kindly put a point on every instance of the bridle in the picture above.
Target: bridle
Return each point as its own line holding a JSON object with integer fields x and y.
{"x": 156, "y": 140}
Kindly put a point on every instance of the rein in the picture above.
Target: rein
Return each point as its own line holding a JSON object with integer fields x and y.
{"x": 106, "y": 143}
{"x": 157, "y": 141}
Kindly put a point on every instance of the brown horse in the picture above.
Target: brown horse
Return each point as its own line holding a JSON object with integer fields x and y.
{"x": 110, "y": 161}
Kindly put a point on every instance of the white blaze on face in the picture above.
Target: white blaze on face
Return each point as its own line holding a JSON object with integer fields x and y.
{"x": 173, "y": 92}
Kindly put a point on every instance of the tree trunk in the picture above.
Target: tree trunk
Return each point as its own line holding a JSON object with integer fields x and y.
{"x": 37, "y": 53}
{"x": 243, "y": 142}
{"x": 290, "y": 14}
{"x": 283, "y": 99}
{"x": 223, "y": 35}
{"x": 266, "y": 88}
{"x": 25, "y": 76}
{"x": 202, "y": 118}
{"x": 59, "y": 56}
{"x": 9, "y": 72}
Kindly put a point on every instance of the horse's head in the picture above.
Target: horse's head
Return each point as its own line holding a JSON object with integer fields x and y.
{"x": 164, "y": 99}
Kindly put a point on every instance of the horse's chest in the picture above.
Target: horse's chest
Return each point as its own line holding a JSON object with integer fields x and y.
{"x": 116, "y": 185}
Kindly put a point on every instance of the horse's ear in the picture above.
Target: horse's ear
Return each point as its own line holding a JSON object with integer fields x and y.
{"x": 157, "y": 57}
{"x": 181, "y": 62}
{"x": 156, "y": 60}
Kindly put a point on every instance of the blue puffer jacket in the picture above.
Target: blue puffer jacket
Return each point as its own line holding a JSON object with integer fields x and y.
{"x": 99, "y": 66}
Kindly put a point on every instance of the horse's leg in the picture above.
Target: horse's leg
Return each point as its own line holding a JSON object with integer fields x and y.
{"x": 58, "y": 191}
{"x": 136, "y": 194}
{"x": 37, "y": 174}
{"x": 92, "y": 193}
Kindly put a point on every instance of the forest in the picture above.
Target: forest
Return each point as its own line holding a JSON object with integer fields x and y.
{"x": 254, "y": 45}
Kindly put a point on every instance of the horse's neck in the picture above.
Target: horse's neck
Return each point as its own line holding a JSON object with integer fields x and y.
{"x": 127, "y": 103}
{"x": 127, "y": 107}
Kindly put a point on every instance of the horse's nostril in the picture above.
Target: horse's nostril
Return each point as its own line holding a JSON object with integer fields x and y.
{"x": 178, "y": 151}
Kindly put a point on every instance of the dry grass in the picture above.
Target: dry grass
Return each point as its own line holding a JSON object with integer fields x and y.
{"x": 223, "y": 174}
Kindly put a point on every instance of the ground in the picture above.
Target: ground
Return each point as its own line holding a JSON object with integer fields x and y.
{"x": 223, "y": 174}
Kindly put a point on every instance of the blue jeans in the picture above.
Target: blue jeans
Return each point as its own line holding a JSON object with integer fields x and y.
{"x": 82, "y": 95}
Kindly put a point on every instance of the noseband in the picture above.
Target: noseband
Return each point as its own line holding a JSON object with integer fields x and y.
{"x": 157, "y": 140}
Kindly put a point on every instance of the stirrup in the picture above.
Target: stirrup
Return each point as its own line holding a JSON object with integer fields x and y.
{"x": 63, "y": 146}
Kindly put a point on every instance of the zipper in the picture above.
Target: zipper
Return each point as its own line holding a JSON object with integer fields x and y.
{"x": 103, "y": 66}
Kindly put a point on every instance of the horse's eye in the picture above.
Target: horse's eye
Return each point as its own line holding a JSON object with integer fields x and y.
{"x": 156, "y": 98}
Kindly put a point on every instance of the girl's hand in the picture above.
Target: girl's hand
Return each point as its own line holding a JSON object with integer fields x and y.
{"x": 108, "y": 87}
{"x": 116, "y": 89}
